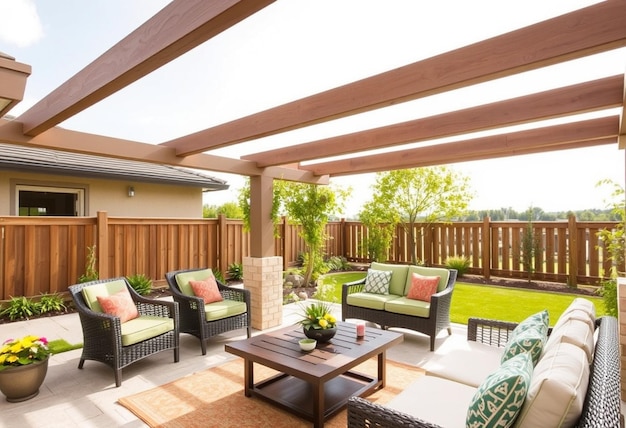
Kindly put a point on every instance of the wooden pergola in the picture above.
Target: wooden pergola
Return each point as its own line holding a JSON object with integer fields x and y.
{"x": 184, "y": 24}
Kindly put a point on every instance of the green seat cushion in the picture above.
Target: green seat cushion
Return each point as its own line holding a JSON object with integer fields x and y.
{"x": 499, "y": 399}
{"x": 443, "y": 274}
{"x": 398, "y": 276}
{"x": 91, "y": 292}
{"x": 145, "y": 327}
{"x": 183, "y": 278}
{"x": 224, "y": 309}
{"x": 370, "y": 300}
{"x": 406, "y": 306}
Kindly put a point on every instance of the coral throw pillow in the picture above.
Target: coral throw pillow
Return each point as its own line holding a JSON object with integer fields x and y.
{"x": 422, "y": 287}
{"x": 120, "y": 305}
{"x": 207, "y": 289}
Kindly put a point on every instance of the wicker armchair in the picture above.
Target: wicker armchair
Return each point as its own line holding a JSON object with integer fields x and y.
{"x": 103, "y": 333}
{"x": 193, "y": 315}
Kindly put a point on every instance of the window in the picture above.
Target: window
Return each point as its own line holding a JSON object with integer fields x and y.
{"x": 49, "y": 201}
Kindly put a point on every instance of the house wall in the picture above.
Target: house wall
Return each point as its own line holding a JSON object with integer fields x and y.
{"x": 150, "y": 200}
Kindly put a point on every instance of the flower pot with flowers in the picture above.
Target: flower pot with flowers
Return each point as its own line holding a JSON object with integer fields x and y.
{"x": 23, "y": 367}
{"x": 318, "y": 322}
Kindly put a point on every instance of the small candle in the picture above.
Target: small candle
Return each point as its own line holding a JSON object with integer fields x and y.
{"x": 360, "y": 330}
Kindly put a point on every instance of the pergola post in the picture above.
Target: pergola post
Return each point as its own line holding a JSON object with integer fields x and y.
{"x": 262, "y": 271}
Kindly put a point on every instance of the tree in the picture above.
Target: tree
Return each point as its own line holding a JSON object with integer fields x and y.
{"x": 433, "y": 194}
{"x": 228, "y": 209}
{"x": 308, "y": 205}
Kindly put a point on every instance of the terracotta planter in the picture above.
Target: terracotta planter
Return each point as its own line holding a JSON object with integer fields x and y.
{"x": 320, "y": 335}
{"x": 22, "y": 383}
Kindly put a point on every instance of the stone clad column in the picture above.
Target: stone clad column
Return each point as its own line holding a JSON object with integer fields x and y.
{"x": 264, "y": 278}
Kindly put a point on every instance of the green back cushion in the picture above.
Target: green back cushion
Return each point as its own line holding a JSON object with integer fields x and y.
{"x": 443, "y": 274}
{"x": 91, "y": 292}
{"x": 398, "y": 276}
{"x": 182, "y": 279}
{"x": 499, "y": 399}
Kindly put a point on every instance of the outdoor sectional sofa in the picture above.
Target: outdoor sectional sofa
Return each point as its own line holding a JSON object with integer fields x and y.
{"x": 394, "y": 308}
{"x": 575, "y": 381}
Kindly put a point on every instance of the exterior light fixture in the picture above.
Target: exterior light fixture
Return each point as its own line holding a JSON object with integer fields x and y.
{"x": 131, "y": 191}
{"x": 13, "y": 77}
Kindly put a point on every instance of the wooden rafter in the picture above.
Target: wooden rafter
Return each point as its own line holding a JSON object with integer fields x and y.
{"x": 590, "y": 30}
{"x": 81, "y": 142}
{"x": 575, "y": 134}
{"x": 585, "y": 97}
{"x": 176, "y": 29}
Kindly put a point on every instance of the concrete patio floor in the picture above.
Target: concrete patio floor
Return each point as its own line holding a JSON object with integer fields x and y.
{"x": 71, "y": 397}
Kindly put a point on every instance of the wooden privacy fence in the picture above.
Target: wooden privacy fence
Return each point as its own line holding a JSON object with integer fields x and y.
{"x": 46, "y": 254}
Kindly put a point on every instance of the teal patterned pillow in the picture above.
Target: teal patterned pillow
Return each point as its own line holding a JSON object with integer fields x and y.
{"x": 499, "y": 399}
{"x": 531, "y": 341}
{"x": 377, "y": 281}
{"x": 540, "y": 321}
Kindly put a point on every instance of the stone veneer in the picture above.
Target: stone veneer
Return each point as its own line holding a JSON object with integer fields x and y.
{"x": 263, "y": 276}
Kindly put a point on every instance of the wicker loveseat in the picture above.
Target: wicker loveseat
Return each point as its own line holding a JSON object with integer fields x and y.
{"x": 558, "y": 393}
{"x": 394, "y": 309}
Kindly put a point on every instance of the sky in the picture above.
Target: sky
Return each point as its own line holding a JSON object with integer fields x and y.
{"x": 292, "y": 49}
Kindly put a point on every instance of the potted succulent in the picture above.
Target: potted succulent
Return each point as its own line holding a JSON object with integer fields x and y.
{"x": 23, "y": 367}
{"x": 318, "y": 322}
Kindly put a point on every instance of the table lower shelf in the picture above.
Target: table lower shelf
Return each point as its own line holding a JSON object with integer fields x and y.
{"x": 296, "y": 395}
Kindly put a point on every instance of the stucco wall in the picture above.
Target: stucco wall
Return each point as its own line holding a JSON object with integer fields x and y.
{"x": 150, "y": 200}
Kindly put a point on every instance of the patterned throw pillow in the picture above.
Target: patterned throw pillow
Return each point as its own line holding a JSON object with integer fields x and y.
{"x": 540, "y": 321}
{"x": 422, "y": 287}
{"x": 120, "y": 305}
{"x": 207, "y": 289}
{"x": 529, "y": 341}
{"x": 377, "y": 281}
{"x": 499, "y": 399}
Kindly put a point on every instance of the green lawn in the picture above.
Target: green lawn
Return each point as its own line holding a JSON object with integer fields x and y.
{"x": 484, "y": 301}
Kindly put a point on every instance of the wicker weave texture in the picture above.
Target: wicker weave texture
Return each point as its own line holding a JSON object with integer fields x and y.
{"x": 438, "y": 320}
{"x": 102, "y": 333}
{"x": 193, "y": 317}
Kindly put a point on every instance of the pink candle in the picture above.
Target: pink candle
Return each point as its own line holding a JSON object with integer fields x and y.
{"x": 360, "y": 330}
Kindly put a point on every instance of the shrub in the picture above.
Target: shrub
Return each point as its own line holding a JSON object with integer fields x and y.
{"x": 219, "y": 276}
{"x": 235, "y": 271}
{"x": 337, "y": 263}
{"x": 140, "y": 283}
{"x": 608, "y": 291}
{"x": 460, "y": 263}
{"x": 51, "y": 303}
{"x": 20, "y": 307}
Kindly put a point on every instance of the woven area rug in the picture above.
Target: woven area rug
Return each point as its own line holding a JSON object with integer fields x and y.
{"x": 214, "y": 398}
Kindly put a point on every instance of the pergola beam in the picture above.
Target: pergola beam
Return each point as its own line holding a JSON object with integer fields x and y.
{"x": 590, "y": 30}
{"x": 585, "y": 97}
{"x": 81, "y": 142}
{"x": 582, "y": 134}
{"x": 176, "y": 29}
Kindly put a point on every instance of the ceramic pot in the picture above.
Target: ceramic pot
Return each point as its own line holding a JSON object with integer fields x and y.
{"x": 22, "y": 383}
{"x": 320, "y": 335}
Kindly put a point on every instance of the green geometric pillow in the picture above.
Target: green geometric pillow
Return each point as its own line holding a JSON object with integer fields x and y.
{"x": 499, "y": 399}
{"x": 531, "y": 341}
{"x": 540, "y": 320}
{"x": 377, "y": 281}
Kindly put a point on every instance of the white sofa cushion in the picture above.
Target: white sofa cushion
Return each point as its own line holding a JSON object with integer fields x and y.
{"x": 557, "y": 389}
{"x": 436, "y": 400}
{"x": 576, "y": 332}
{"x": 453, "y": 364}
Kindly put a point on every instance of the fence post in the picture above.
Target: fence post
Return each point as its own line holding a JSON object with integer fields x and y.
{"x": 486, "y": 247}
{"x": 102, "y": 244}
{"x": 222, "y": 248}
{"x": 573, "y": 251}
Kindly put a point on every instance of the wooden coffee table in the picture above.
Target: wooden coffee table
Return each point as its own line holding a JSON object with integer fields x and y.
{"x": 314, "y": 385}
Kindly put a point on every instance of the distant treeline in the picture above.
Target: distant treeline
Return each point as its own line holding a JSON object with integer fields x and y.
{"x": 504, "y": 214}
